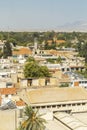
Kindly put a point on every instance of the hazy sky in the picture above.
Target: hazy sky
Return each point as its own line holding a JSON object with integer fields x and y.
{"x": 40, "y": 14}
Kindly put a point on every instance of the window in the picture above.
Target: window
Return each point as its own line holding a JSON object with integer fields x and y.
{"x": 63, "y": 69}
{"x": 43, "y": 106}
{"x": 78, "y": 104}
{"x": 48, "y": 106}
{"x": 37, "y": 107}
{"x": 58, "y": 106}
{"x": 68, "y": 104}
{"x": 67, "y": 69}
{"x": 80, "y": 82}
{"x": 86, "y": 82}
{"x": 8, "y": 84}
{"x": 63, "y": 105}
{"x": 6, "y": 95}
{"x": 53, "y": 106}
{"x": 83, "y": 103}
{"x": 73, "y": 104}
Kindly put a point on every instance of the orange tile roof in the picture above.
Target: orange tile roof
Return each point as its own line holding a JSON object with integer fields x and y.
{"x": 5, "y": 91}
{"x": 20, "y": 103}
{"x": 57, "y": 41}
{"x": 60, "y": 41}
{"x": 49, "y": 41}
{"x": 22, "y": 51}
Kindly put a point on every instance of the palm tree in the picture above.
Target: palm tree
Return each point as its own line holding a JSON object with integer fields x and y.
{"x": 33, "y": 120}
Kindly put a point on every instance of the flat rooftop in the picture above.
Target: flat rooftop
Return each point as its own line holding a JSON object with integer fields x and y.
{"x": 55, "y": 125}
{"x": 70, "y": 121}
{"x": 51, "y": 95}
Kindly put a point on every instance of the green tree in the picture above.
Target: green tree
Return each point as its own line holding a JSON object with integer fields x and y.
{"x": 33, "y": 120}
{"x": 1, "y": 37}
{"x": 44, "y": 71}
{"x": 79, "y": 46}
{"x": 84, "y": 51}
{"x": 64, "y": 85}
{"x": 30, "y": 59}
{"x": 7, "y": 50}
{"x": 59, "y": 60}
{"x": 13, "y": 41}
{"x": 50, "y": 60}
{"x": 32, "y": 69}
{"x": 49, "y": 47}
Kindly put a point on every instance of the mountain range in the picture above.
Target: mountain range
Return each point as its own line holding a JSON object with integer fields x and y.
{"x": 78, "y": 26}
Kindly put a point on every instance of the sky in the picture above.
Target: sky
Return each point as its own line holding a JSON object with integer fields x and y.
{"x": 25, "y": 15}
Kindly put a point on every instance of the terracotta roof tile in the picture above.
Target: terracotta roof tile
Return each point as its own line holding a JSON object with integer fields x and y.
{"x": 20, "y": 103}
{"x": 49, "y": 41}
{"x": 5, "y": 91}
{"x": 60, "y": 41}
{"x": 57, "y": 41}
{"x": 22, "y": 51}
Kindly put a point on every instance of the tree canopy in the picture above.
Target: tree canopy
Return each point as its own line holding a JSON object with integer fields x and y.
{"x": 33, "y": 120}
{"x": 82, "y": 49}
{"x": 27, "y": 38}
{"x": 7, "y": 50}
{"x": 32, "y": 69}
{"x": 30, "y": 59}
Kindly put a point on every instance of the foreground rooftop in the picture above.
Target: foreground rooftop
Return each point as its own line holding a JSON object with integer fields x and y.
{"x": 50, "y": 95}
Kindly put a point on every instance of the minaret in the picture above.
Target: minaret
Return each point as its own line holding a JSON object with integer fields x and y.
{"x": 35, "y": 44}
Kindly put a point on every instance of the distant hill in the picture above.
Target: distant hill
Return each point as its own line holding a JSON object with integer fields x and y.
{"x": 79, "y": 26}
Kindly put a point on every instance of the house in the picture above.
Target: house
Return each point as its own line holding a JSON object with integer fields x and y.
{"x": 58, "y": 42}
{"x": 76, "y": 80}
{"x": 79, "y": 83}
{"x": 8, "y": 91}
{"x": 2, "y": 44}
{"x": 10, "y": 119}
{"x": 6, "y": 63}
{"x": 22, "y": 53}
{"x": 10, "y": 94}
{"x": 49, "y": 42}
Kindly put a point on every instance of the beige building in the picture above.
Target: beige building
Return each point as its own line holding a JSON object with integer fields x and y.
{"x": 38, "y": 82}
{"x": 56, "y": 99}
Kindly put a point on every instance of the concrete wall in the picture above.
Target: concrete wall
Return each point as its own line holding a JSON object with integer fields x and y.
{"x": 58, "y": 74}
{"x": 7, "y": 120}
{"x": 14, "y": 77}
{"x": 53, "y": 81}
{"x": 23, "y": 83}
{"x": 42, "y": 82}
{"x": 39, "y": 82}
{"x": 2, "y": 84}
{"x": 35, "y": 82}
{"x": 10, "y": 119}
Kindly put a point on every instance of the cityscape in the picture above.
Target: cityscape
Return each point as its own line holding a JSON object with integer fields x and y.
{"x": 43, "y": 65}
